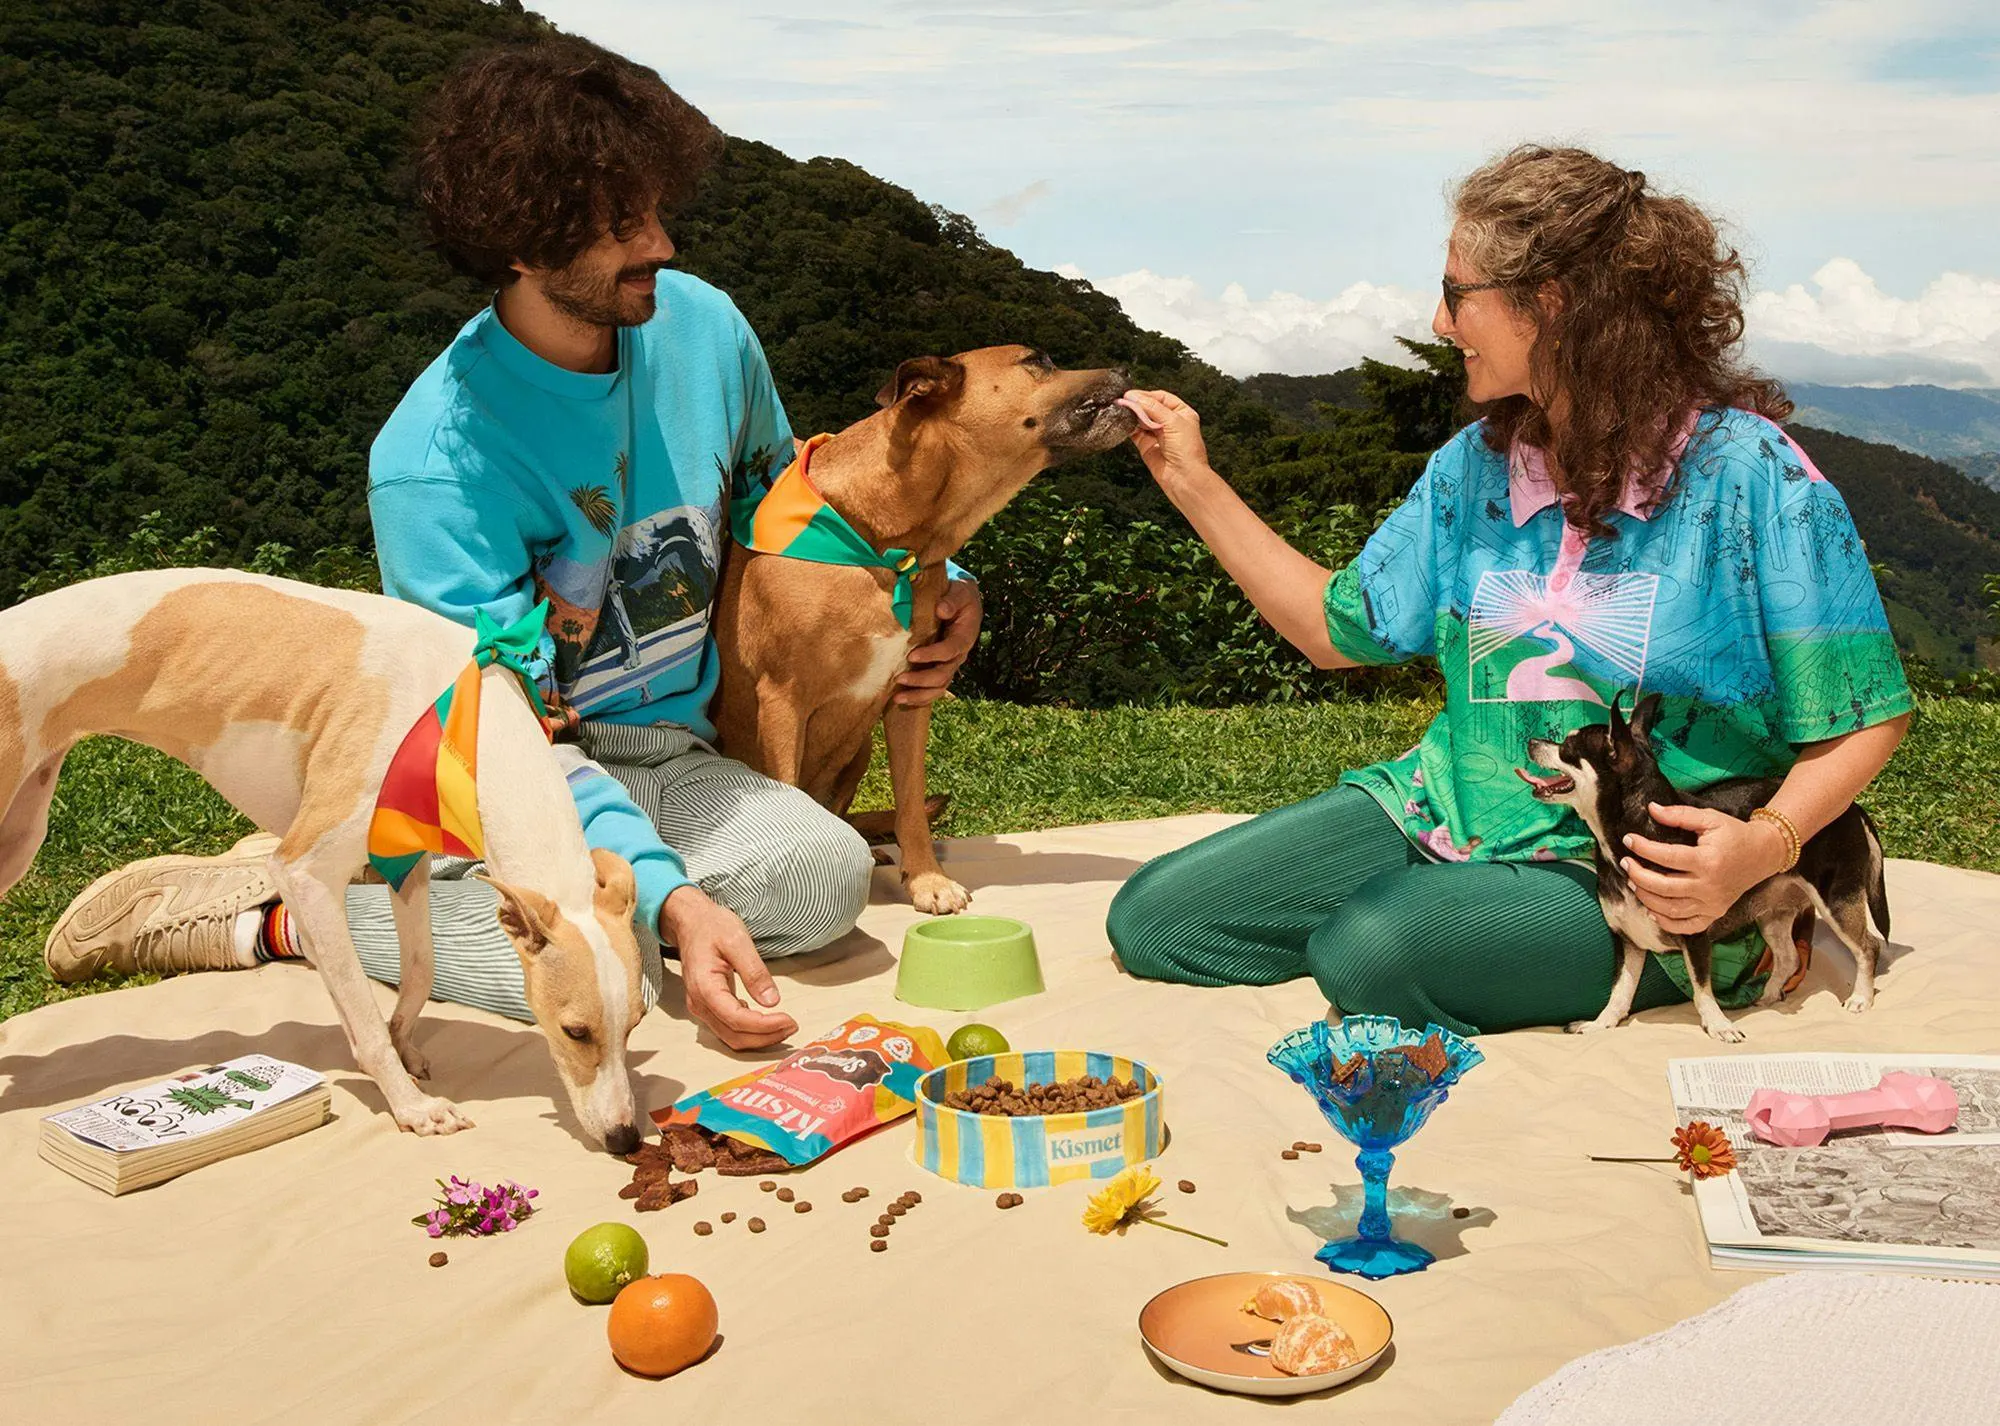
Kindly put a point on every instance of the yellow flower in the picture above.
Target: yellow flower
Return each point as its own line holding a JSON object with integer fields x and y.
{"x": 1113, "y": 1206}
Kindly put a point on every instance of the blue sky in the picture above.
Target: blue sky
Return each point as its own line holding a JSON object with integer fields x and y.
{"x": 1266, "y": 179}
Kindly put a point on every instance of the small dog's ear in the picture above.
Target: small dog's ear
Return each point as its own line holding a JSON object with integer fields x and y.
{"x": 1618, "y": 733}
{"x": 1646, "y": 715}
{"x": 922, "y": 378}
{"x": 617, "y": 892}
{"x": 524, "y": 915}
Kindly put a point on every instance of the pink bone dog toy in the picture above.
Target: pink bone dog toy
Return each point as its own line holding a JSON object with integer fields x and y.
{"x": 1900, "y": 1101}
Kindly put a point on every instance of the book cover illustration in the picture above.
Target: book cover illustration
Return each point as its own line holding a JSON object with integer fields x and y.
{"x": 187, "y": 1106}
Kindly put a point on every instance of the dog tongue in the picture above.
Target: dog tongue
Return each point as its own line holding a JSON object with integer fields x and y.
{"x": 1137, "y": 410}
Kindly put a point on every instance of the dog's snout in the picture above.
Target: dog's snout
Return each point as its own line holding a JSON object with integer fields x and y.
{"x": 624, "y": 1139}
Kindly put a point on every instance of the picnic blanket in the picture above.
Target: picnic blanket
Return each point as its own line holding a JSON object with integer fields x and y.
{"x": 289, "y": 1284}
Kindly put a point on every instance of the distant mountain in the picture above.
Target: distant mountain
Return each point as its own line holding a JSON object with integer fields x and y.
{"x": 1936, "y": 531}
{"x": 1961, "y": 427}
{"x": 1299, "y": 398}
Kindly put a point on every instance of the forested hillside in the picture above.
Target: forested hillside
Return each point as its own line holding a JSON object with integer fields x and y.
{"x": 212, "y": 292}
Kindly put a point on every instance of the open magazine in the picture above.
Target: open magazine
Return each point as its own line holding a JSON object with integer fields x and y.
{"x": 1871, "y": 1199}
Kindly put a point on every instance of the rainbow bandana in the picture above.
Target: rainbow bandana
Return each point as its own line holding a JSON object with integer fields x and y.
{"x": 792, "y": 519}
{"x": 430, "y": 797}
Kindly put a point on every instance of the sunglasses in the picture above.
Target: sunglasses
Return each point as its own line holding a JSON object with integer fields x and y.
{"x": 1454, "y": 293}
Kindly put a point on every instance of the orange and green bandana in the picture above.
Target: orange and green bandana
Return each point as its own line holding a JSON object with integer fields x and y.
{"x": 792, "y": 519}
{"x": 430, "y": 797}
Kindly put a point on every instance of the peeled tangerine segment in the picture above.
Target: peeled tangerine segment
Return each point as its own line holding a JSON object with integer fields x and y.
{"x": 1284, "y": 1299}
{"x": 1309, "y": 1344}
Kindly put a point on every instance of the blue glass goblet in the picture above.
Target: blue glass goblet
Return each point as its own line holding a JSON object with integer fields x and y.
{"x": 1376, "y": 1082}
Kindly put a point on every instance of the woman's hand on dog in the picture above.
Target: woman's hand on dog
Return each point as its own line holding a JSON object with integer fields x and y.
{"x": 1701, "y": 881}
{"x": 931, "y": 667}
{"x": 715, "y": 948}
{"x": 1176, "y": 453}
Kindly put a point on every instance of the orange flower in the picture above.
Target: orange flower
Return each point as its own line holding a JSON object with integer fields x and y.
{"x": 1703, "y": 1150}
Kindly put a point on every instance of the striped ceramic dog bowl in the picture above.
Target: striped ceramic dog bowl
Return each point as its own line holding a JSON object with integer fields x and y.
{"x": 1034, "y": 1151}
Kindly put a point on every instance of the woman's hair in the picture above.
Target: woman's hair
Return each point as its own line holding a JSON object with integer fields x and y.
{"x": 1646, "y": 322}
{"x": 531, "y": 153}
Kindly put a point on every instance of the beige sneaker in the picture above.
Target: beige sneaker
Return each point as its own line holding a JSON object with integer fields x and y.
{"x": 163, "y": 914}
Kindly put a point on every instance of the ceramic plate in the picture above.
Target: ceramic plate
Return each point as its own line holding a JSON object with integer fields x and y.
{"x": 1200, "y": 1330}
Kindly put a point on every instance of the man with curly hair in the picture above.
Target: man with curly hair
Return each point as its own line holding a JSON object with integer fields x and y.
{"x": 577, "y": 442}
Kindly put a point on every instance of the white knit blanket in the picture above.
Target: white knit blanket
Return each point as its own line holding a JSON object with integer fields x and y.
{"x": 1825, "y": 1348}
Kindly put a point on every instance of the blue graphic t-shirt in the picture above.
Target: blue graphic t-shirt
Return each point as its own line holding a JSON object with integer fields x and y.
{"x": 502, "y": 479}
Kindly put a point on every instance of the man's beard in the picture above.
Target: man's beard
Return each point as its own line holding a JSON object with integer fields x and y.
{"x": 599, "y": 301}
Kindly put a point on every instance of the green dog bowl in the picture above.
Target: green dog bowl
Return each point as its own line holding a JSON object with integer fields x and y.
{"x": 967, "y": 963}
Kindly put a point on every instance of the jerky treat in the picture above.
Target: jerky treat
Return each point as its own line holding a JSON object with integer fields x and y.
{"x": 663, "y": 1192}
{"x": 802, "y": 1207}
{"x": 785, "y": 1195}
{"x": 829, "y": 1092}
{"x": 438, "y": 1260}
{"x": 879, "y": 1230}
{"x": 1349, "y": 1069}
{"x": 1430, "y": 1057}
{"x": 1187, "y": 1185}
{"x": 878, "y": 1246}
{"x": 703, "y": 1228}
{"x": 630, "y": 1190}
{"x": 692, "y": 1148}
{"x": 1069, "y": 1096}
{"x": 756, "y": 1225}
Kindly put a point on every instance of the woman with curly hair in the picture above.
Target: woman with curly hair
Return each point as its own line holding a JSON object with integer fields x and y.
{"x": 1625, "y": 517}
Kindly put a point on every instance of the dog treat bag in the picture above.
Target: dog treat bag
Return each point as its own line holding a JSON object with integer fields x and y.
{"x": 837, "y": 1088}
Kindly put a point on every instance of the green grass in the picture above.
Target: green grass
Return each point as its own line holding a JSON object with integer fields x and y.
{"x": 1007, "y": 768}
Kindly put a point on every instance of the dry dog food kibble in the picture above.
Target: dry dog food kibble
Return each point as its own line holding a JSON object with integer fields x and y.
{"x": 1069, "y": 1096}
{"x": 1311, "y": 1148}
{"x": 878, "y": 1246}
{"x": 1461, "y": 1212}
{"x": 1009, "y": 1200}
{"x": 785, "y": 1195}
{"x": 885, "y": 1220}
{"x": 438, "y": 1260}
{"x": 879, "y": 1230}
{"x": 1187, "y": 1185}
{"x": 802, "y": 1207}
{"x": 756, "y": 1225}
{"x": 859, "y": 1193}
{"x": 914, "y": 1197}
{"x": 703, "y": 1228}
{"x": 898, "y": 1209}
{"x": 729, "y": 1217}
{"x": 1288, "y": 1154}
{"x": 766, "y": 1186}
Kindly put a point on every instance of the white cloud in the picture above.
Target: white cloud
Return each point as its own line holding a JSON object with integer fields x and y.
{"x": 1846, "y": 328}
{"x": 1282, "y": 332}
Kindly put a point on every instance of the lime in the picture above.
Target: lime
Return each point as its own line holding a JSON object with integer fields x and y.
{"x": 602, "y": 1260}
{"x": 972, "y": 1041}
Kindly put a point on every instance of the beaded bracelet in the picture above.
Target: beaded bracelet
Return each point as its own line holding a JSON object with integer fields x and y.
{"x": 1783, "y": 824}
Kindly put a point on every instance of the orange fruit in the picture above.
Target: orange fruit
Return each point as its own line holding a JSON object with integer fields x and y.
{"x": 660, "y": 1324}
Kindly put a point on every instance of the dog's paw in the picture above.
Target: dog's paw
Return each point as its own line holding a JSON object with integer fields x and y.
{"x": 1858, "y": 1002}
{"x": 1725, "y": 1032}
{"x": 430, "y": 1115}
{"x": 936, "y": 894}
{"x": 1773, "y": 993}
{"x": 1587, "y": 1027}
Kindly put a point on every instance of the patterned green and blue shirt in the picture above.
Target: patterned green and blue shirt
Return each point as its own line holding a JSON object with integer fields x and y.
{"x": 1746, "y": 600}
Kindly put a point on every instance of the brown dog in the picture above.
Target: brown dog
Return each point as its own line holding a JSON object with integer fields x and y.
{"x": 811, "y": 652}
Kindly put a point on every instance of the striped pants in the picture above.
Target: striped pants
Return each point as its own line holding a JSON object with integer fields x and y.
{"x": 795, "y": 873}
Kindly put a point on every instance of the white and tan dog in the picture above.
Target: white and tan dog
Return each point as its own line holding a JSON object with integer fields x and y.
{"x": 291, "y": 700}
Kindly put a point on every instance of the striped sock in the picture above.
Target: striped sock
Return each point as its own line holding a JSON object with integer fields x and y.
{"x": 277, "y": 937}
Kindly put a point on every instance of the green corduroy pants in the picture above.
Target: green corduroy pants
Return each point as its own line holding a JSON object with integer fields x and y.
{"x": 1331, "y": 888}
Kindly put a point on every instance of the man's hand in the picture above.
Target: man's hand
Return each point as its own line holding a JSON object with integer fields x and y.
{"x": 932, "y": 666}
{"x": 1701, "y": 882}
{"x": 715, "y": 949}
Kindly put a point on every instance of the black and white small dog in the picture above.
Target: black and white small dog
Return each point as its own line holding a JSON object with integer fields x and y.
{"x": 1609, "y": 775}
